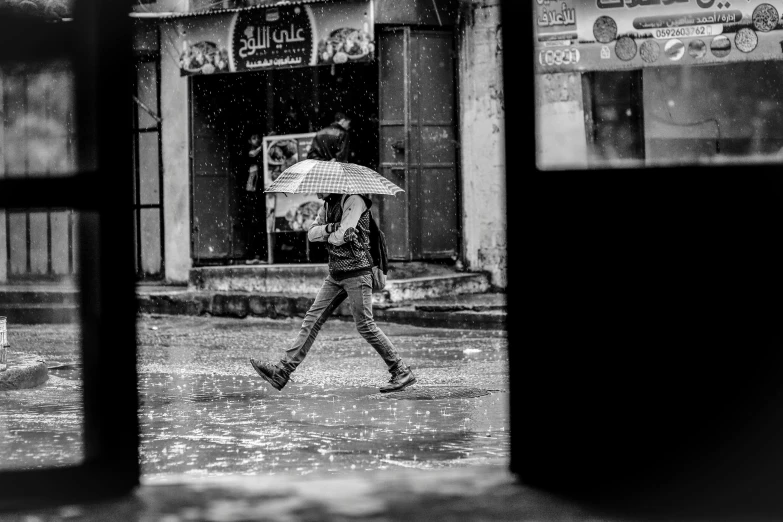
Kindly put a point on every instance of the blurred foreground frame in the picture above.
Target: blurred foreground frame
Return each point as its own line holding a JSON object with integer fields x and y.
{"x": 640, "y": 279}
{"x": 96, "y": 44}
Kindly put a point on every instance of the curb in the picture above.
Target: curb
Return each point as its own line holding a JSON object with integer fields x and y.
{"x": 25, "y": 372}
{"x": 243, "y": 304}
{"x": 463, "y": 320}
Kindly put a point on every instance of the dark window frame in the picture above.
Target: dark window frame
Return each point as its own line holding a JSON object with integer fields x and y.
{"x": 98, "y": 44}
{"x": 621, "y": 404}
{"x": 138, "y": 206}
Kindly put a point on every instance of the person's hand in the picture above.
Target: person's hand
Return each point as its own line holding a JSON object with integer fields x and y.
{"x": 331, "y": 227}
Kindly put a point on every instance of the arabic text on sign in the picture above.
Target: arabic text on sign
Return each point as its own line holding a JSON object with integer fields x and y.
{"x": 261, "y": 38}
{"x": 566, "y": 16}
{"x": 612, "y": 4}
{"x": 274, "y": 62}
{"x": 658, "y": 22}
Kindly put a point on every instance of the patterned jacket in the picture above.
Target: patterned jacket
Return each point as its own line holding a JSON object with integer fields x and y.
{"x": 344, "y": 223}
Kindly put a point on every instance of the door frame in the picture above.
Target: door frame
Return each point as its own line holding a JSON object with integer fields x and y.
{"x": 146, "y": 57}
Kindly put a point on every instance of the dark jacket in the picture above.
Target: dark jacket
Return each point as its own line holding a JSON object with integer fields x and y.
{"x": 330, "y": 142}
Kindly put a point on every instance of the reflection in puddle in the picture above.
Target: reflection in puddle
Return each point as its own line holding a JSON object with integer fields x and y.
{"x": 42, "y": 427}
{"x": 222, "y": 424}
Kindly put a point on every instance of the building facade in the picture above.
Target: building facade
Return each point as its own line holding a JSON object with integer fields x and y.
{"x": 421, "y": 78}
{"x": 429, "y": 116}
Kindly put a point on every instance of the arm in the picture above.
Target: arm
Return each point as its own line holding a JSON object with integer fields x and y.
{"x": 255, "y": 152}
{"x": 317, "y": 231}
{"x": 352, "y": 211}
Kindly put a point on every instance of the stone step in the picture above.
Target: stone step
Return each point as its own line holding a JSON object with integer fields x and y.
{"x": 14, "y": 296}
{"x": 24, "y": 371}
{"x": 463, "y": 319}
{"x": 40, "y": 313}
{"x": 259, "y": 279}
{"x": 419, "y": 288}
{"x": 306, "y": 279}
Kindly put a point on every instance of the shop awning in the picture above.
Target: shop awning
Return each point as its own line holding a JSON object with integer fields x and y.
{"x": 212, "y": 12}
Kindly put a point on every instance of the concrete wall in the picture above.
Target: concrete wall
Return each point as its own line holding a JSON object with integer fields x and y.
{"x": 483, "y": 166}
{"x": 561, "y": 141}
{"x": 176, "y": 160}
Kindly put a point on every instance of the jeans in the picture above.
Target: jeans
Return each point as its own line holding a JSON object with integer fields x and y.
{"x": 358, "y": 290}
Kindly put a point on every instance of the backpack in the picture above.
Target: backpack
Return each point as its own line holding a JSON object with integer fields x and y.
{"x": 379, "y": 255}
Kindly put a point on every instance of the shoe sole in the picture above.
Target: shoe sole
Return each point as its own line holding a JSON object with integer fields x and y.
{"x": 412, "y": 381}
{"x": 263, "y": 376}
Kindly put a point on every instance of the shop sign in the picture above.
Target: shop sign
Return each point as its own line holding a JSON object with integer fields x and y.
{"x": 263, "y": 38}
{"x": 276, "y": 37}
{"x": 287, "y": 212}
{"x": 589, "y": 35}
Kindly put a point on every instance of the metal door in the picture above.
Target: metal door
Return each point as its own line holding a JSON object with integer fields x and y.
{"x": 418, "y": 143}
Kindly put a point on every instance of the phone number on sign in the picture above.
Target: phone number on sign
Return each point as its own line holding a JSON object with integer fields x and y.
{"x": 693, "y": 30}
{"x": 558, "y": 56}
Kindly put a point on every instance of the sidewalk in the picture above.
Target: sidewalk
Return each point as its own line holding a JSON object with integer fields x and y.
{"x": 417, "y": 293}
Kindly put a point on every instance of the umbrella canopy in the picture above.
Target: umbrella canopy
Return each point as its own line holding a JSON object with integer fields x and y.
{"x": 311, "y": 176}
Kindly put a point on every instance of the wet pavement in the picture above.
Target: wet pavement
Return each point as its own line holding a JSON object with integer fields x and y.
{"x": 204, "y": 411}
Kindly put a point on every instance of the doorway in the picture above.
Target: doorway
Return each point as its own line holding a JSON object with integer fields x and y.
{"x": 228, "y": 222}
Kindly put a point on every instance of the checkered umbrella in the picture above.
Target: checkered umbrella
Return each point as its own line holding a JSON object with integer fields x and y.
{"x": 311, "y": 176}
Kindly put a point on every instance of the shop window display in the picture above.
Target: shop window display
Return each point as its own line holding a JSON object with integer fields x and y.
{"x": 714, "y": 114}
{"x": 685, "y": 115}
{"x": 614, "y": 125}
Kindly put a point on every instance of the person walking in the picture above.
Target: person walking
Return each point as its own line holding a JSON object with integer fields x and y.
{"x": 343, "y": 223}
{"x": 332, "y": 142}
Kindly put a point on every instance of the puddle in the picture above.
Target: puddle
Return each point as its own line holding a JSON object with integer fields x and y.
{"x": 239, "y": 425}
{"x": 432, "y": 393}
{"x": 202, "y": 410}
{"x": 42, "y": 427}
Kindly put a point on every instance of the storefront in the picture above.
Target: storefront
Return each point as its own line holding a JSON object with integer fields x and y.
{"x": 282, "y": 71}
{"x": 650, "y": 82}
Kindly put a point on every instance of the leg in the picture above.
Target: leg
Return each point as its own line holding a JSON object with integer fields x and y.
{"x": 328, "y": 299}
{"x": 359, "y": 291}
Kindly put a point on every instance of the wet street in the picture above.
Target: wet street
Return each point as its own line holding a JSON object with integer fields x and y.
{"x": 203, "y": 410}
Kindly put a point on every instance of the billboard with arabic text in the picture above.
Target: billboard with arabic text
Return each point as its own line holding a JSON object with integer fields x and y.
{"x": 276, "y": 37}
{"x": 590, "y": 35}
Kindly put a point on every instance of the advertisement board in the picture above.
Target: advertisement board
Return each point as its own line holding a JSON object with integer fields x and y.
{"x": 276, "y": 37}
{"x": 287, "y": 212}
{"x": 590, "y": 35}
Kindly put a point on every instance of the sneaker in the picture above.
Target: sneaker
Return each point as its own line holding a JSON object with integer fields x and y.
{"x": 401, "y": 379}
{"x": 270, "y": 373}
